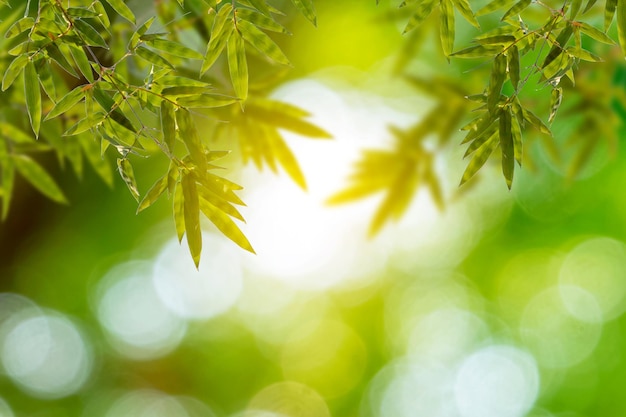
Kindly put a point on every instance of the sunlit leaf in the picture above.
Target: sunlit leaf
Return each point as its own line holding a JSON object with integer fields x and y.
{"x": 153, "y": 194}
{"x": 621, "y": 25}
{"x": 13, "y": 70}
{"x": 498, "y": 76}
{"x": 220, "y": 33}
{"x": 261, "y": 21}
{"x": 225, "y": 225}
{"x": 507, "y": 146}
{"x": 238, "y": 65}
{"x": 447, "y": 26}
{"x": 516, "y": 9}
{"x": 480, "y": 157}
{"x": 122, "y": 9}
{"x": 168, "y": 124}
{"x": 174, "y": 48}
{"x": 493, "y": 6}
{"x": 189, "y": 135}
{"x": 422, "y": 11}
{"x": 257, "y": 38}
{"x": 306, "y": 8}
{"x": 464, "y": 8}
{"x": 152, "y": 57}
{"x": 178, "y": 204}
{"x": 555, "y": 102}
{"x": 89, "y": 34}
{"x": 67, "y": 102}
{"x": 191, "y": 209}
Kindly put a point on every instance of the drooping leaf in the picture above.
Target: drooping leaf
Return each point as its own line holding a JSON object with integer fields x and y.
{"x": 225, "y": 225}
{"x": 178, "y": 204}
{"x": 514, "y": 66}
{"x": 306, "y": 8}
{"x": 516, "y": 9}
{"x": 152, "y": 57}
{"x": 447, "y": 28}
{"x": 555, "y": 102}
{"x": 464, "y": 8}
{"x": 421, "y": 12}
{"x": 238, "y": 65}
{"x": 480, "y": 157}
{"x": 174, "y": 48}
{"x": 220, "y": 33}
{"x": 153, "y": 194}
{"x": 128, "y": 175}
{"x": 609, "y": 12}
{"x": 507, "y": 146}
{"x": 191, "y": 209}
{"x": 168, "y": 124}
{"x": 89, "y": 34}
{"x": 13, "y": 70}
{"x": 38, "y": 177}
{"x": 261, "y": 21}
{"x": 189, "y": 135}
{"x": 498, "y": 76}
{"x": 32, "y": 94}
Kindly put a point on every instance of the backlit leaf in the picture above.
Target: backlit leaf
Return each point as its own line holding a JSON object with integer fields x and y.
{"x": 480, "y": 157}
{"x": 191, "y": 209}
{"x": 122, "y": 9}
{"x": 221, "y": 31}
{"x": 153, "y": 194}
{"x": 507, "y": 146}
{"x": 257, "y": 38}
{"x": 306, "y": 8}
{"x": 66, "y": 103}
{"x": 447, "y": 26}
{"x": 89, "y": 34}
{"x": 422, "y": 11}
{"x": 238, "y": 65}
{"x": 225, "y": 225}
{"x": 178, "y": 204}
{"x": 128, "y": 175}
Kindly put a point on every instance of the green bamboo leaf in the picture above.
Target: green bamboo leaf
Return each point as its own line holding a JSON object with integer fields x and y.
{"x": 174, "y": 48}
{"x": 260, "y": 5}
{"x": 85, "y": 124}
{"x": 609, "y": 12}
{"x": 189, "y": 135}
{"x": 225, "y": 225}
{"x": 598, "y": 34}
{"x": 514, "y": 66}
{"x": 38, "y": 177}
{"x": 238, "y": 65}
{"x": 33, "y": 96}
{"x": 498, "y": 76}
{"x": 516, "y": 133}
{"x": 89, "y": 34}
{"x": 81, "y": 12}
{"x": 446, "y": 29}
{"x": 555, "y": 102}
{"x": 493, "y": 6}
{"x": 507, "y": 146}
{"x": 479, "y": 159}
{"x": 128, "y": 175}
{"x": 477, "y": 51}
{"x": 188, "y": 90}
{"x": 67, "y": 102}
{"x": 531, "y": 118}
{"x": 13, "y": 134}
{"x": 283, "y": 116}
{"x": 8, "y": 183}
{"x": 122, "y": 9}
{"x": 516, "y": 9}
{"x": 178, "y": 204}
{"x": 221, "y": 31}
{"x": 191, "y": 214}
{"x": 207, "y": 196}
{"x": 306, "y": 8}
{"x": 13, "y": 70}
{"x": 205, "y": 101}
{"x": 25, "y": 23}
{"x": 558, "y": 46}
{"x": 621, "y": 25}
{"x": 55, "y": 53}
{"x": 589, "y": 5}
{"x": 261, "y": 21}
{"x": 168, "y": 124}
{"x": 257, "y": 38}
{"x": 422, "y": 11}
{"x": 45, "y": 78}
{"x": 584, "y": 55}
{"x": 153, "y": 57}
{"x": 81, "y": 60}
{"x": 575, "y": 8}
{"x": 464, "y": 8}
{"x": 102, "y": 14}
{"x": 481, "y": 139}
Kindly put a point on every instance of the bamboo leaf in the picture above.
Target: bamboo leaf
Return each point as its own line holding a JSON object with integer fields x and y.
{"x": 13, "y": 70}
{"x": 205, "y": 101}
{"x": 447, "y": 27}
{"x": 128, "y": 175}
{"x": 168, "y": 124}
{"x": 153, "y": 57}
{"x": 516, "y": 9}
{"x": 598, "y": 34}
{"x": 189, "y": 135}
{"x": 261, "y": 21}
{"x": 89, "y": 34}
{"x": 225, "y": 225}
{"x": 479, "y": 159}
{"x": 153, "y": 194}
{"x": 507, "y": 146}
{"x": 122, "y": 9}
{"x": 306, "y": 8}
{"x": 257, "y": 38}
{"x": 286, "y": 158}
{"x": 82, "y": 62}
{"x": 574, "y": 8}
{"x": 33, "y": 96}
{"x": 238, "y": 65}
{"x": 174, "y": 48}
{"x": 67, "y": 102}
{"x": 464, "y": 8}
{"x": 422, "y": 11}
{"x": 220, "y": 33}
{"x": 498, "y": 76}
{"x": 555, "y": 102}
{"x": 38, "y": 177}
{"x": 493, "y": 6}
{"x": 191, "y": 213}
{"x": 621, "y": 25}
{"x": 609, "y": 12}
{"x": 514, "y": 66}
{"x": 178, "y": 204}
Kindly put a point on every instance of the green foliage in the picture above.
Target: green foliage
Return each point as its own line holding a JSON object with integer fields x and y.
{"x": 90, "y": 80}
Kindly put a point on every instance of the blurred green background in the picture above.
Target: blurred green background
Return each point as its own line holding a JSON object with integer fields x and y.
{"x": 506, "y": 304}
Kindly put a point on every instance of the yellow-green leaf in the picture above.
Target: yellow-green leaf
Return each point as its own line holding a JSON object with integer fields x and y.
{"x": 498, "y": 76}
{"x": 168, "y": 124}
{"x": 447, "y": 26}
{"x": 221, "y": 31}
{"x": 257, "y": 38}
{"x": 506, "y": 145}
{"x": 128, "y": 175}
{"x": 464, "y": 7}
{"x": 189, "y": 135}
{"x": 178, "y": 204}
{"x": 38, "y": 177}
{"x": 555, "y": 102}
{"x": 122, "y": 9}
{"x": 33, "y": 96}
{"x": 191, "y": 210}
{"x": 174, "y": 48}
{"x": 422, "y": 11}
{"x": 609, "y": 12}
{"x": 238, "y": 65}
{"x": 90, "y": 36}
{"x": 225, "y": 225}
{"x": 13, "y": 70}
{"x": 153, "y": 194}
{"x": 621, "y": 25}
{"x": 66, "y": 103}
{"x": 306, "y": 8}
{"x": 152, "y": 57}
{"x": 479, "y": 159}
